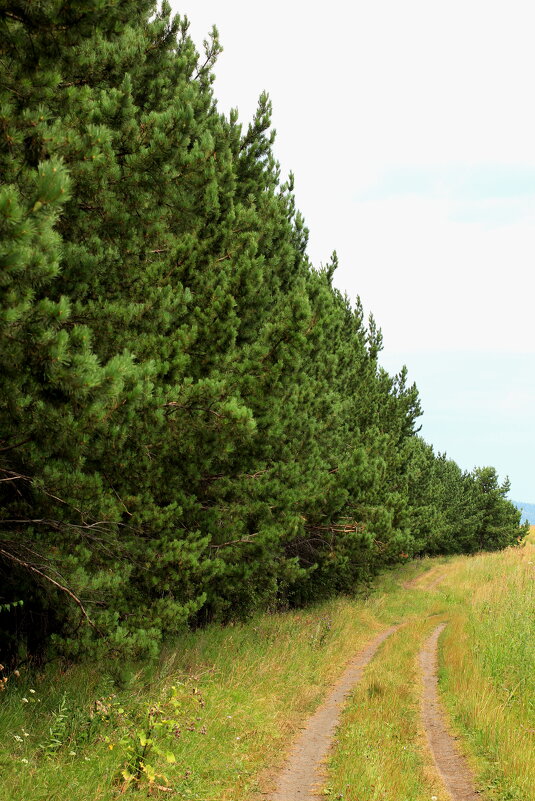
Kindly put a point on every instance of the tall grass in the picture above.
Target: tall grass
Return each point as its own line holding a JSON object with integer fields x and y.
{"x": 488, "y": 668}
{"x": 213, "y": 720}
{"x": 487, "y": 682}
{"x": 241, "y": 694}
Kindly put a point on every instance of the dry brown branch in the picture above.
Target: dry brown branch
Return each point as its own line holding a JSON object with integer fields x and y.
{"x": 64, "y": 589}
{"x": 258, "y": 473}
{"x": 235, "y": 542}
{"x": 336, "y": 529}
{"x": 177, "y": 405}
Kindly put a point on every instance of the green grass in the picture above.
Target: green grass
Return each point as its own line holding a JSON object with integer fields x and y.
{"x": 242, "y": 692}
{"x": 488, "y": 670}
{"x": 487, "y": 680}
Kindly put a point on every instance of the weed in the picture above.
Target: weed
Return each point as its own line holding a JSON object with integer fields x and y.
{"x": 321, "y": 632}
{"x": 375, "y": 690}
{"x": 161, "y": 721}
{"x": 57, "y": 732}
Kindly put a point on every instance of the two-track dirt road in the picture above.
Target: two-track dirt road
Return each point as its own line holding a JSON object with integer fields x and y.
{"x": 303, "y": 776}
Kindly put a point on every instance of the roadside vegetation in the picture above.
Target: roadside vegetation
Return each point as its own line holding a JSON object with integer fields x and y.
{"x": 488, "y": 672}
{"x": 214, "y": 718}
{"x": 486, "y": 679}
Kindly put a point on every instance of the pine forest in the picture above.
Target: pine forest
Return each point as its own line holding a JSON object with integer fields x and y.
{"x": 194, "y": 422}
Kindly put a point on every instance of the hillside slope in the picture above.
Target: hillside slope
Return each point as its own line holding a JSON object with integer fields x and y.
{"x": 528, "y": 511}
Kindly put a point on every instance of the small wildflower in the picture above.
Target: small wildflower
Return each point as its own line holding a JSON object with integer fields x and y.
{"x": 72, "y": 753}
{"x": 25, "y": 761}
{"x": 24, "y": 700}
{"x": 87, "y": 759}
{"x": 17, "y": 738}
{"x": 32, "y": 691}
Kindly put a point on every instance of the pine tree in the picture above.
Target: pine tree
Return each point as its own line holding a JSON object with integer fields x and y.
{"x": 194, "y": 422}
{"x": 94, "y": 376}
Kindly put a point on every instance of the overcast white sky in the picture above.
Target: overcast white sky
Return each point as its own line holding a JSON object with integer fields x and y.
{"x": 410, "y": 127}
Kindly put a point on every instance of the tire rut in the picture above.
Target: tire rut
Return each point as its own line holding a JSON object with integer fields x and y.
{"x": 451, "y": 765}
{"x": 302, "y": 777}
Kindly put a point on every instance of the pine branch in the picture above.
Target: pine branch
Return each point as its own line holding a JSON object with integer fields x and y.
{"x": 61, "y": 587}
{"x": 235, "y": 542}
{"x": 16, "y": 445}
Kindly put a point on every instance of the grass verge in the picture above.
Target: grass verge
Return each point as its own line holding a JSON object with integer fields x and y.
{"x": 209, "y": 722}
{"x": 488, "y": 669}
{"x": 214, "y": 718}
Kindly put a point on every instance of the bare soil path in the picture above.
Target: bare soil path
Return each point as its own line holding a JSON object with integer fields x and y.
{"x": 302, "y": 776}
{"x": 450, "y": 763}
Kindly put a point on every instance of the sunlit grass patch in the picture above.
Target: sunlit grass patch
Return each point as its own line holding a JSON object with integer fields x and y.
{"x": 488, "y": 676}
{"x": 489, "y": 669}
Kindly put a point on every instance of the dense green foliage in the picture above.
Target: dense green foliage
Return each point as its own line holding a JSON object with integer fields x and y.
{"x": 193, "y": 421}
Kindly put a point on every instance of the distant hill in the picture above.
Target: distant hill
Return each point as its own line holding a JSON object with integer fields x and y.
{"x": 527, "y": 509}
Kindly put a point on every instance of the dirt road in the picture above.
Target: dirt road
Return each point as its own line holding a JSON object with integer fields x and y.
{"x": 449, "y": 762}
{"x": 302, "y": 776}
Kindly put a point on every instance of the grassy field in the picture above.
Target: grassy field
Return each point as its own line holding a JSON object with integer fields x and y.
{"x": 488, "y": 670}
{"x": 214, "y": 718}
{"x": 487, "y": 679}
